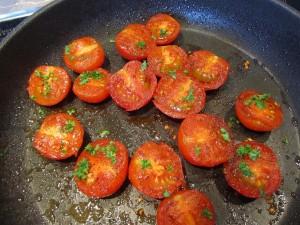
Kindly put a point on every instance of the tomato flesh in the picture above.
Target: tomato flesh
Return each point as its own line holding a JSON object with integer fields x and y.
{"x": 59, "y": 137}
{"x": 156, "y": 170}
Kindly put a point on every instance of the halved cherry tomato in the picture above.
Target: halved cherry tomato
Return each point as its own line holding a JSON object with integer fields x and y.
{"x": 205, "y": 140}
{"x": 134, "y": 42}
{"x": 179, "y": 97}
{"x": 84, "y": 54}
{"x": 48, "y": 85}
{"x": 209, "y": 69}
{"x": 258, "y": 112}
{"x": 132, "y": 87}
{"x": 254, "y": 171}
{"x": 101, "y": 168}
{"x": 189, "y": 207}
{"x": 164, "y": 28}
{"x": 92, "y": 86}
{"x": 156, "y": 170}
{"x": 59, "y": 137}
{"x": 169, "y": 60}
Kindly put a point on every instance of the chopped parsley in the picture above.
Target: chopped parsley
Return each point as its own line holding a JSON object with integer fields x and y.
{"x": 197, "y": 151}
{"x": 141, "y": 44}
{"x": 163, "y": 32}
{"x": 258, "y": 100}
{"x": 233, "y": 121}
{"x": 90, "y": 149}
{"x": 207, "y": 213}
{"x": 170, "y": 168}
{"x": 144, "y": 65}
{"x": 145, "y": 163}
{"x": 45, "y": 78}
{"x": 82, "y": 169}
{"x": 112, "y": 41}
{"x": 104, "y": 133}
{"x": 63, "y": 150}
{"x": 32, "y": 97}
{"x": 67, "y": 49}
{"x": 245, "y": 169}
{"x": 285, "y": 140}
{"x": 244, "y": 150}
{"x": 172, "y": 73}
{"x": 47, "y": 88}
{"x": 42, "y": 112}
{"x": 186, "y": 72}
{"x": 71, "y": 111}
{"x": 225, "y": 134}
{"x": 190, "y": 96}
{"x": 86, "y": 76}
{"x": 166, "y": 194}
{"x": 69, "y": 126}
{"x": 110, "y": 151}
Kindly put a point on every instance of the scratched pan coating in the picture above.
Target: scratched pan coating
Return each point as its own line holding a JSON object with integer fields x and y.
{"x": 38, "y": 191}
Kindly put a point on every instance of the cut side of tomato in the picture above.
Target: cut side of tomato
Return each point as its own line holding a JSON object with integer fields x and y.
{"x": 205, "y": 140}
{"x": 179, "y": 97}
{"x": 254, "y": 171}
{"x": 134, "y": 42}
{"x": 48, "y": 85}
{"x": 209, "y": 69}
{"x": 92, "y": 86}
{"x": 101, "y": 169}
{"x": 84, "y": 54}
{"x": 189, "y": 207}
{"x": 156, "y": 171}
{"x": 133, "y": 86}
{"x": 258, "y": 111}
{"x": 164, "y": 28}
{"x": 59, "y": 137}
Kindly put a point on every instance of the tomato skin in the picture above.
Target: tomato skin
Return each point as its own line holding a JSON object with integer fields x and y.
{"x": 84, "y": 54}
{"x": 258, "y": 119}
{"x": 58, "y": 81}
{"x": 209, "y": 69}
{"x": 171, "y": 96}
{"x": 52, "y": 142}
{"x": 186, "y": 208}
{"x": 166, "y": 59}
{"x": 94, "y": 91}
{"x": 104, "y": 177}
{"x": 127, "y": 42}
{"x": 266, "y": 171}
{"x": 202, "y": 131}
{"x": 164, "y": 173}
{"x": 163, "y": 22}
{"x": 131, "y": 88}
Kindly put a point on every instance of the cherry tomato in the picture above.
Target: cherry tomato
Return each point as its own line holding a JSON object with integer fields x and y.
{"x": 134, "y": 42}
{"x": 164, "y": 28}
{"x": 59, "y": 137}
{"x": 169, "y": 60}
{"x": 132, "y": 87}
{"x": 254, "y": 170}
{"x": 101, "y": 168}
{"x": 258, "y": 112}
{"x": 84, "y": 54}
{"x": 189, "y": 207}
{"x": 92, "y": 86}
{"x": 179, "y": 97}
{"x": 209, "y": 69}
{"x": 156, "y": 170}
{"x": 48, "y": 85}
{"x": 205, "y": 140}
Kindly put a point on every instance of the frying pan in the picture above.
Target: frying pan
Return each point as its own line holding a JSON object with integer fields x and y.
{"x": 34, "y": 190}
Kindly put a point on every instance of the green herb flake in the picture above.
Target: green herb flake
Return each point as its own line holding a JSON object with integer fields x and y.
{"x": 110, "y": 151}
{"x": 245, "y": 169}
{"x": 112, "y": 41}
{"x": 172, "y": 73}
{"x": 90, "y": 149}
{"x": 254, "y": 154}
{"x": 186, "y": 72}
{"x": 225, "y": 134}
{"x": 87, "y": 76}
{"x": 166, "y": 194}
{"x": 141, "y": 44}
{"x": 38, "y": 73}
{"x": 258, "y": 100}
{"x": 197, "y": 151}
{"x": 233, "y": 121}
{"x": 145, "y": 163}
{"x": 69, "y": 126}
{"x": 144, "y": 65}
{"x": 67, "y": 49}
{"x": 163, "y": 32}
{"x": 170, "y": 168}
{"x": 262, "y": 192}
{"x": 190, "y": 96}
{"x": 46, "y": 89}
{"x": 42, "y": 112}
{"x": 244, "y": 150}
{"x": 82, "y": 169}
{"x": 285, "y": 140}
{"x": 63, "y": 150}
{"x": 207, "y": 214}
{"x": 104, "y": 133}
{"x": 32, "y": 97}
{"x": 71, "y": 111}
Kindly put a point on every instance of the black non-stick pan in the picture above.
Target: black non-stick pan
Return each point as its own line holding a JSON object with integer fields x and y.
{"x": 38, "y": 191}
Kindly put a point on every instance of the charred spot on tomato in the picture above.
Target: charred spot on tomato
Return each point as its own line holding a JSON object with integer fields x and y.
{"x": 82, "y": 169}
{"x": 259, "y": 100}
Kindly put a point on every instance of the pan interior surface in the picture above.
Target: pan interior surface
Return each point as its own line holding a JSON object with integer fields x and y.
{"x": 39, "y": 191}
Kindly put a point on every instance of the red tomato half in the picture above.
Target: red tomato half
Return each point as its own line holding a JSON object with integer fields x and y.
{"x": 254, "y": 171}
{"x": 169, "y": 60}
{"x": 59, "y": 137}
{"x": 156, "y": 170}
{"x": 92, "y": 86}
{"x": 164, "y": 28}
{"x": 101, "y": 168}
{"x": 205, "y": 140}
{"x": 179, "y": 97}
{"x": 84, "y": 54}
{"x": 258, "y": 112}
{"x": 132, "y": 87}
{"x": 49, "y": 85}
{"x": 189, "y": 207}
{"x": 209, "y": 69}
{"x": 134, "y": 42}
